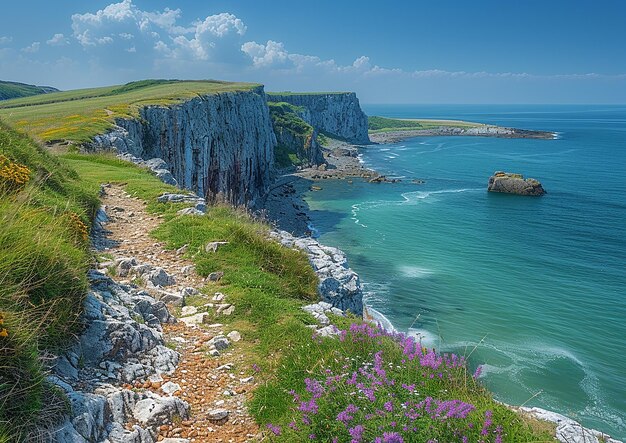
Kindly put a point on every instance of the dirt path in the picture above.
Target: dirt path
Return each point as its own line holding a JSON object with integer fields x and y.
{"x": 212, "y": 385}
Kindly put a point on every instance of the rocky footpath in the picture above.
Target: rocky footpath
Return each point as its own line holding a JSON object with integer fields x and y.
{"x": 510, "y": 183}
{"x": 217, "y": 145}
{"x": 338, "y": 114}
{"x": 135, "y": 374}
{"x": 339, "y": 285}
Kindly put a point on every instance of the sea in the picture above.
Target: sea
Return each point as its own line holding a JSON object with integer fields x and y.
{"x": 532, "y": 289}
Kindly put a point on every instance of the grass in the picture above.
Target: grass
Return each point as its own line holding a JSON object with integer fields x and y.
{"x": 384, "y": 124}
{"x": 9, "y": 90}
{"x": 81, "y": 114}
{"x": 44, "y": 257}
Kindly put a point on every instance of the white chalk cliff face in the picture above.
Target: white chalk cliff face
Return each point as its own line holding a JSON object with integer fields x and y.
{"x": 221, "y": 146}
{"x": 338, "y": 114}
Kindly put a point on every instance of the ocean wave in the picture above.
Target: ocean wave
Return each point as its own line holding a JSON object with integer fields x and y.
{"x": 416, "y": 196}
{"x": 412, "y": 197}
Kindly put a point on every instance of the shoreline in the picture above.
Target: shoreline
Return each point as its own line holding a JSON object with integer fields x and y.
{"x": 394, "y": 136}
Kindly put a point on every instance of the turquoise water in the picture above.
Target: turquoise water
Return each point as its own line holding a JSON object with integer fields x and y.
{"x": 535, "y": 287}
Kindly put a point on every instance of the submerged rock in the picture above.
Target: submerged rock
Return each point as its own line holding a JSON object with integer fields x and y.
{"x": 510, "y": 183}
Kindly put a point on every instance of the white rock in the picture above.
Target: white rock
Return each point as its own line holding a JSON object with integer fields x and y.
{"x": 234, "y": 336}
{"x": 196, "y": 319}
{"x": 170, "y": 388}
{"x": 188, "y": 310}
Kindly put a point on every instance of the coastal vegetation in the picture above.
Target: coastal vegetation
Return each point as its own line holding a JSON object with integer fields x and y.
{"x": 293, "y": 133}
{"x": 81, "y": 114}
{"x": 384, "y": 124}
{"x": 45, "y": 214}
{"x": 10, "y": 90}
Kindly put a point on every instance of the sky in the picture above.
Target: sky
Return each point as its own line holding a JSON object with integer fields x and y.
{"x": 408, "y": 51}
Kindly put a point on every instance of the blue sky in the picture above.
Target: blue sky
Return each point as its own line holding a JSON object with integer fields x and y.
{"x": 482, "y": 51}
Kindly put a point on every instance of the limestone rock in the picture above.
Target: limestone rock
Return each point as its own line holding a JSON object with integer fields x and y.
{"x": 170, "y": 388}
{"x": 190, "y": 211}
{"x": 217, "y": 414}
{"x": 218, "y": 145}
{"x": 338, "y": 114}
{"x": 196, "y": 319}
{"x": 234, "y": 336}
{"x": 158, "y": 277}
{"x": 189, "y": 310}
{"x": 214, "y": 246}
{"x": 155, "y": 410}
{"x": 215, "y": 276}
{"x": 510, "y": 183}
{"x": 568, "y": 430}
{"x": 339, "y": 285}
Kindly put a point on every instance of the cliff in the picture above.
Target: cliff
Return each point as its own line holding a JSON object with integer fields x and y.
{"x": 296, "y": 139}
{"x": 509, "y": 183}
{"x": 336, "y": 114}
{"x": 221, "y": 146}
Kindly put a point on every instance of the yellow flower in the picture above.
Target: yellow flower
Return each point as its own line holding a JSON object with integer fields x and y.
{"x": 4, "y": 333}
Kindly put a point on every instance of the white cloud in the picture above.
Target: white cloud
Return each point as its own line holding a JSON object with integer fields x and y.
{"x": 58, "y": 40}
{"x": 122, "y": 20}
{"x": 271, "y": 54}
{"x": 220, "y": 29}
{"x": 32, "y": 48}
{"x": 5, "y": 40}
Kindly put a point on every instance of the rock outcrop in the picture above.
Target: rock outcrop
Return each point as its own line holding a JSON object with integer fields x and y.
{"x": 568, "y": 430}
{"x": 221, "y": 146}
{"x": 509, "y": 183}
{"x": 122, "y": 343}
{"x": 339, "y": 285}
{"x": 337, "y": 114}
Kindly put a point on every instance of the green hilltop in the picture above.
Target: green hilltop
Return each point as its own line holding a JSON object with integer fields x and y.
{"x": 81, "y": 114}
{"x": 9, "y": 90}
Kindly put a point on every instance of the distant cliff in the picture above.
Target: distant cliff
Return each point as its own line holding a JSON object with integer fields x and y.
{"x": 297, "y": 141}
{"x": 337, "y": 114}
{"x": 220, "y": 146}
{"x": 10, "y": 90}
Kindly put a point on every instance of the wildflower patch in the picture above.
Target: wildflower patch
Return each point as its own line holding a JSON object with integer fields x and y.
{"x": 13, "y": 176}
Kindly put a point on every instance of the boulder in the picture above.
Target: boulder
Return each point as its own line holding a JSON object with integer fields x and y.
{"x": 510, "y": 183}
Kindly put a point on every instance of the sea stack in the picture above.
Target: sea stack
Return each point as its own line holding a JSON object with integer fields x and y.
{"x": 510, "y": 183}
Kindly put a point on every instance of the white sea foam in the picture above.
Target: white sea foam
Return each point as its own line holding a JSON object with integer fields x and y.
{"x": 415, "y": 271}
{"x": 380, "y": 318}
{"x": 426, "y": 338}
{"x": 416, "y": 196}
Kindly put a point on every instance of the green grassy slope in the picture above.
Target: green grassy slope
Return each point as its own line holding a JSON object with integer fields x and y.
{"x": 384, "y": 124}
{"x": 9, "y": 90}
{"x": 81, "y": 114}
{"x": 45, "y": 212}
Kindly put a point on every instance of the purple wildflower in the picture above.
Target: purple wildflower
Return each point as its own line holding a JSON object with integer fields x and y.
{"x": 356, "y": 433}
{"x": 274, "y": 429}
